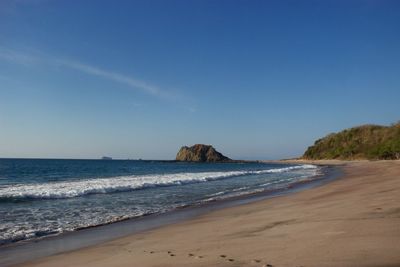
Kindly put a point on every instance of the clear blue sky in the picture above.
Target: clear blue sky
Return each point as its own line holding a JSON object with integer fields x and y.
{"x": 139, "y": 79}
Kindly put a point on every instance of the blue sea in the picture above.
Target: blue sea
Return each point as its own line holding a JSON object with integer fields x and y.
{"x": 43, "y": 197}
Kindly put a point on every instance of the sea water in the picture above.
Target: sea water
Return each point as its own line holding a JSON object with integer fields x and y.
{"x": 42, "y": 197}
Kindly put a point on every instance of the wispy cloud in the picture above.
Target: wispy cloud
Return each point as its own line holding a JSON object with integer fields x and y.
{"x": 17, "y": 57}
{"x": 113, "y": 76}
{"x": 11, "y": 6}
{"x": 132, "y": 82}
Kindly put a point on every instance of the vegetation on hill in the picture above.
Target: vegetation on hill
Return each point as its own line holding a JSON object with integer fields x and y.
{"x": 363, "y": 142}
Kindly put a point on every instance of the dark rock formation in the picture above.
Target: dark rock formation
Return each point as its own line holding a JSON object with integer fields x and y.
{"x": 200, "y": 153}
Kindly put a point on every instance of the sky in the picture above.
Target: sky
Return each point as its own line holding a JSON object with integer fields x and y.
{"x": 140, "y": 79}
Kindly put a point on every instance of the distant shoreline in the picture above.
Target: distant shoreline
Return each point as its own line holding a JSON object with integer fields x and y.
{"x": 144, "y": 160}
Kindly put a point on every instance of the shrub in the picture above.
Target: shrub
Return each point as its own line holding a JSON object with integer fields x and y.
{"x": 362, "y": 142}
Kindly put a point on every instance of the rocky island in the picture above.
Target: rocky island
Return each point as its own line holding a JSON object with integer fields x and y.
{"x": 201, "y": 153}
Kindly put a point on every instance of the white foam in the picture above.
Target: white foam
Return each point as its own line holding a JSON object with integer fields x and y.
{"x": 69, "y": 189}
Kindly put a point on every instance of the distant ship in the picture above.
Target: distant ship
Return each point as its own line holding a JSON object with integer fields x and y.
{"x": 106, "y": 158}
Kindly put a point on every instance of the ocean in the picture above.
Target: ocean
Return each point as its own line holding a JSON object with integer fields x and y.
{"x": 45, "y": 197}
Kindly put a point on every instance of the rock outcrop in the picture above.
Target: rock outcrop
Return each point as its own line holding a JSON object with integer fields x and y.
{"x": 200, "y": 153}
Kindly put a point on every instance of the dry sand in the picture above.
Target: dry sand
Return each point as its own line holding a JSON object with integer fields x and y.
{"x": 353, "y": 221}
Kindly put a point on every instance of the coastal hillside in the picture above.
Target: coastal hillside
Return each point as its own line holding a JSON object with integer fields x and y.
{"x": 200, "y": 153}
{"x": 362, "y": 142}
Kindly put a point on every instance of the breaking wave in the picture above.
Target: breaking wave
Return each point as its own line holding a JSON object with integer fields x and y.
{"x": 70, "y": 189}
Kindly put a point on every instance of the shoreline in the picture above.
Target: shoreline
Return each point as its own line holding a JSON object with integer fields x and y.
{"x": 31, "y": 249}
{"x": 9, "y": 237}
{"x": 351, "y": 221}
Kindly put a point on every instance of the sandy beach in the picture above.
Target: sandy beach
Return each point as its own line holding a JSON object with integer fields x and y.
{"x": 352, "y": 221}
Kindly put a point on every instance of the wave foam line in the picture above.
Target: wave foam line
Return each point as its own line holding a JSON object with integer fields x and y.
{"x": 69, "y": 189}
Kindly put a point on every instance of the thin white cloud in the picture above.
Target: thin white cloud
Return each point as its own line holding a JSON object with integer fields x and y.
{"x": 116, "y": 77}
{"x": 25, "y": 59}
{"x": 16, "y": 57}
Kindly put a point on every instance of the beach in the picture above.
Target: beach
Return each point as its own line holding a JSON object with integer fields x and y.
{"x": 352, "y": 221}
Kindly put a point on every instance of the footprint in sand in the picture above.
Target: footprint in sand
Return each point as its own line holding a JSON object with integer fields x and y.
{"x": 196, "y": 257}
{"x": 171, "y": 254}
{"x": 256, "y": 261}
{"x": 224, "y": 256}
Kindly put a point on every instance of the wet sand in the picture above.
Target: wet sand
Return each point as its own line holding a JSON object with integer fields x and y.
{"x": 353, "y": 221}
